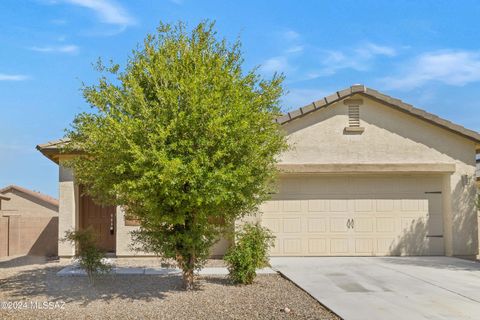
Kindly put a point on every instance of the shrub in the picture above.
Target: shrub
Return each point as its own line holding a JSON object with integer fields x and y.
{"x": 89, "y": 255}
{"x": 249, "y": 253}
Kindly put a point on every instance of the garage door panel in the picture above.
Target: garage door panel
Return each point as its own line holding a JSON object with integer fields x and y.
{"x": 317, "y": 246}
{"x": 274, "y": 224}
{"x": 292, "y": 246}
{"x": 292, "y": 225}
{"x": 385, "y": 245}
{"x": 339, "y": 246}
{"x": 364, "y": 246}
{"x": 315, "y": 225}
{"x": 364, "y": 224}
{"x": 390, "y": 215}
{"x": 363, "y": 205}
{"x": 276, "y": 249}
{"x": 411, "y": 205}
{"x": 338, "y": 224}
{"x": 385, "y": 205}
{"x": 411, "y": 224}
{"x": 338, "y": 205}
{"x": 385, "y": 224}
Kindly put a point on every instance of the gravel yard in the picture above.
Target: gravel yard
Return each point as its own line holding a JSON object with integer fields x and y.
{"x": 147, "y": 297}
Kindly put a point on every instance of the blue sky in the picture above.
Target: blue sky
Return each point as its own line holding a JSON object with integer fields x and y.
{"x": 424, "y": 52}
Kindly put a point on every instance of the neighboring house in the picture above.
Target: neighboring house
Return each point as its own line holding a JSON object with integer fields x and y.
{"x": 366, "y": 175}
{"x": 28, "y": 223}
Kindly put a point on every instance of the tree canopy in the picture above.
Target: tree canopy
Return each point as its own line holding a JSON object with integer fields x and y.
{"x": 182, "y": 138}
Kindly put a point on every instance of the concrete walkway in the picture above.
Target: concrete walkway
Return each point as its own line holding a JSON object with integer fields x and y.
{"x": 358, "y": 288}
{"x": 74, "y": 270}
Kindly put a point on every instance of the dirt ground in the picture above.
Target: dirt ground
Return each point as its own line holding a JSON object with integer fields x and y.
{"x": 30, "y": 289}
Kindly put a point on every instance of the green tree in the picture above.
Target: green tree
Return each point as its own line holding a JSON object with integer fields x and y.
{"x": 183, "y": 139}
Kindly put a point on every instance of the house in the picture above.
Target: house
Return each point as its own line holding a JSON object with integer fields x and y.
{"x": 366, "y": 175}
{"x": 28, "y": 223}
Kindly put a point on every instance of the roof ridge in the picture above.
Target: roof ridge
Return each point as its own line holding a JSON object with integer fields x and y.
{"x": 386, "y": 99}
{"x": 36, "y": 194}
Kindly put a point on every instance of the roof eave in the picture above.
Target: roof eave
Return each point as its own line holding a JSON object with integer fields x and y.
{"x": 49, "y": 153}
{"x": 385, "y": 99}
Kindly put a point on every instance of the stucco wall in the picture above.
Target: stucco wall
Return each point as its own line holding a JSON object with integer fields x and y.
{"x": 68, "y": 209}
{"x": 124, "y": 238}
{"x": 28, "y": 226}
{"x": 28, "y": 205}
{"x": 392, "y": 136}
{"x": 389, "y": 136}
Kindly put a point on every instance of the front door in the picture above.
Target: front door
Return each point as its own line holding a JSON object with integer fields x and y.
{"x": 101, "y": 219}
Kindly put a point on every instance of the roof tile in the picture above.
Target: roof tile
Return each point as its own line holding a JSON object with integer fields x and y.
{"x": 35, "y": 194}
{"x": 396, "y": 103}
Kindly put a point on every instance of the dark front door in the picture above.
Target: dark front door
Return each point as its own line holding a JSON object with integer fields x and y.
{"x": 101, "y": 219}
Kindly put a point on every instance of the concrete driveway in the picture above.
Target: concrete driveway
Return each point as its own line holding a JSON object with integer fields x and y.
{"x": 389, "y": 287}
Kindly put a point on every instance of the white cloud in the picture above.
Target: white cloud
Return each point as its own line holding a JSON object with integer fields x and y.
{"x": 360, "y": 58}
{"x": 324, "y": 63}
{"x": 321, "y": 62}
{"x": 334, "y": 61}
{"x": 281, "y": 63}
{"x": 276, "y": 64}
{"x": 295, "y": 49}
{"x": 369, "y": 50}
{"x": 57, "y": 49}
{"x": 109, "y": 11}
{"x": 13, "y": 77}
{"x": 451, "y": 67}
{"x": 291, "y": 35}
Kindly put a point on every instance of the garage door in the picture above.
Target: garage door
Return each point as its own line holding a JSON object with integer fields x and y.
{"x": 356, "y": 216}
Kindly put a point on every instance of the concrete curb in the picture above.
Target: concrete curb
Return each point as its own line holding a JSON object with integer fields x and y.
{"x": 75, "y": 270}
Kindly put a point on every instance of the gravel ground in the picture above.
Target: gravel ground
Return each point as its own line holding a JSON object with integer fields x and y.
{"x": 147, "y": 297}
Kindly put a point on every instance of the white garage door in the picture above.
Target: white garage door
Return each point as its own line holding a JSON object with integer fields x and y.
{"x": 356, "y": 216}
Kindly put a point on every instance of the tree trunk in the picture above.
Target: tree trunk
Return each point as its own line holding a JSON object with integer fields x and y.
{"x": 189, "y": 266}
{"x": 188, "y": 279}
{"x": 188, "y": 275}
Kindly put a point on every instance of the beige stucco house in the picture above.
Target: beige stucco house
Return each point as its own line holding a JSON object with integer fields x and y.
{"x": 366, "y": 175}
{"x": 28, "y": 223}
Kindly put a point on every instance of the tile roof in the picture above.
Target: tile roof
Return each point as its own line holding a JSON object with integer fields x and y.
{"x": 50, "y": 149}
{"x": 361, "y": 90}
{"x": 2, "y": 197}
{"x": 38, "y": 195}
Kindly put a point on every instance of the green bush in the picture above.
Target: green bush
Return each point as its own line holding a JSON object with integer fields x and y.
{"x": 89, "y": 255}
{"x": 249, "y": 253}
